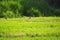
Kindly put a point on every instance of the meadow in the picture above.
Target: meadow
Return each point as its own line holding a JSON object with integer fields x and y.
{"x": 25, "y": 28}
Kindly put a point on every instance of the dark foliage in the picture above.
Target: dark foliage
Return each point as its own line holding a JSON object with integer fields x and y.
{"x": 36, "y": 8}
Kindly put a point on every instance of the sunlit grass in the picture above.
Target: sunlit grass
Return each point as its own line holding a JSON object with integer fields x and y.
{"x": 35, "y": 25}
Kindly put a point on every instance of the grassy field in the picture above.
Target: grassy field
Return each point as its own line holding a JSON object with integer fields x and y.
{"x": 36, "y": 28}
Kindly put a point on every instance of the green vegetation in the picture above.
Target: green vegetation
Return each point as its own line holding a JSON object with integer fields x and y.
{"x": 36, "y": 28}
{"x": 29, "y": 19}
{"x": 33, "y": 38}
{"x": 18, "y": 8}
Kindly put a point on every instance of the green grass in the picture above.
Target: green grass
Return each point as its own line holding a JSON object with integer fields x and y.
{"x": 33, "y": 38}
{"x": 35, "y": 25}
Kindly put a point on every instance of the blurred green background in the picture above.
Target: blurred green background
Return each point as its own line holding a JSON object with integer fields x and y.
{"x": 33, "y": 8}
